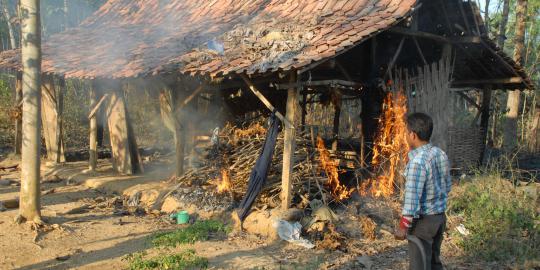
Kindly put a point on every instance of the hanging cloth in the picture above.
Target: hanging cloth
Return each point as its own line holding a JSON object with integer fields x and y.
{"x": 260, "y": 171}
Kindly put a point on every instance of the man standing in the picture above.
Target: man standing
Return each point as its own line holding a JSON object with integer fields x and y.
{"x": 427, "y": 186}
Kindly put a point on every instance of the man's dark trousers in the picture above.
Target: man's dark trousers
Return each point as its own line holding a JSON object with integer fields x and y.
{"x": 429, "y": 229}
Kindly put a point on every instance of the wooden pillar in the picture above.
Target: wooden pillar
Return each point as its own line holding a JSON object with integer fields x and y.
{"x": 484, "y": 120}
{"x": 172, "y": 120}
{"x": 289, "y": 145}
{"x": 92, "y": 162}
{"x": 18, "y": 115}
{"x": 50, "y": 114}
{"x": 125, "y": 155}
{"x": 304, "y": 111}
{"x": 337, "y": 116}
{"x": 60, "y": 118}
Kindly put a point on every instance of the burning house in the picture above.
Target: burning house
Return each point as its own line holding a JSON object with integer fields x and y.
{"x": 370, "y": 62}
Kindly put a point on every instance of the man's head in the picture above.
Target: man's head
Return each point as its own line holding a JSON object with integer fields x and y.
{"x": 419, "y": 129}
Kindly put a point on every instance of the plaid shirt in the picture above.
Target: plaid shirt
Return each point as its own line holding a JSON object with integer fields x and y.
{"x": 428, "y": 182}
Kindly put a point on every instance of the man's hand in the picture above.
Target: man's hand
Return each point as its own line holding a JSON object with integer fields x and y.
{"x": 400, "y": 232}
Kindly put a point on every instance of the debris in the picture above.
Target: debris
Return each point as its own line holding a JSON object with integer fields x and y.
{"x": 368, "y": 227}
{"x": 332, "y": 239}
{"x": 462, "y": 230}
{"x": 2, "y": 207}
{"x": 291, "y": 233}
{"x": 63, "y": 258}
{"x": 10, "y": 168}
{"x": 49, "y": 191}
{"x": 365, "y": 262}
{"x": 77, "y": 210}
{"x": 5, "y": 182}
{"x": 54, "y": 178}
{"x": 11, "y": 203}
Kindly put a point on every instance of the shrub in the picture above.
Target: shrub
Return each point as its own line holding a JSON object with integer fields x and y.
{"x": 200, "y": 231}
{"x": 503, "y": 221}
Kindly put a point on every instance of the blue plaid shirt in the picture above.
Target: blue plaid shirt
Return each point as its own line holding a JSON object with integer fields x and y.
{"x": 427, "y": 183}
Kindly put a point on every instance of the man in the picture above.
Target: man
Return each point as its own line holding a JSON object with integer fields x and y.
{"x": 427, "y": 186}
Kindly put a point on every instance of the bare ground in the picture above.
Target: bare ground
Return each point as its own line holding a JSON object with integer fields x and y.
{"x": 87, "y": 231}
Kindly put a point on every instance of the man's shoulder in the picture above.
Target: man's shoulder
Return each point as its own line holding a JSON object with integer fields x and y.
{"x": 438, "y": 152}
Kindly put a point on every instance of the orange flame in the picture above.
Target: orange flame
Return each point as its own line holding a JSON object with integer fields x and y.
{"x": 338, "y": 191}
{"x": 390, "y": 148}
{"x": 225, "y": 183}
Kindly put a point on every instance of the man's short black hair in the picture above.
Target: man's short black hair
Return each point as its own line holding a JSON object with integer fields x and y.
{"x": 421, "y": 124}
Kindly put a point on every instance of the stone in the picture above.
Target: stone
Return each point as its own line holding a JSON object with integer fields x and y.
{"x": 365, "y": 262}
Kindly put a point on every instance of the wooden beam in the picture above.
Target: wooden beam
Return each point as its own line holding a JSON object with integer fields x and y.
{"x": 394, "y": 58}
{"x": 488, "y": 81}
{"x": 470, "y": 100}
{"x": 191, "y": 97}
{"x": 337, "y": 116}
{"x": 266, "y": 102}
{"x": 96, "y": 106}
{"x": 289, "y": 145}
{"x": 329, "y": 83}
{"x": 438, "y": 38}
{"x": 420, "y": 51}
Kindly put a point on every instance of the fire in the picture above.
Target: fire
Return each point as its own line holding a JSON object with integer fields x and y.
{"x": 339, "y": 191}
{"x": 390, "y": 148}
{"x": 225, "y": 184}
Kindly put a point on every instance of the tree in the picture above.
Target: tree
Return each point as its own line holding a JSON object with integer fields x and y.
{"x": 502, "y": 25}
{"x": 512, "y": 105}
{"x": 30, "y": 157}
{"x": 9, "y": 22}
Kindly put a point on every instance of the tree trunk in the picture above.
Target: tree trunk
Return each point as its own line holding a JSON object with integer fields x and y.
{"x": 8, "y": 18}
{"x": 512, "y": 105}
{"x": 30, "y": 160}
{"x": 503, "y": 24}
{"x": 18, "y": 119}
{"x": 486, "y": 16}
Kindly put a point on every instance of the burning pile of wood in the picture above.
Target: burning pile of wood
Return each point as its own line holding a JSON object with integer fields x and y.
{"x": 226, "y": 169}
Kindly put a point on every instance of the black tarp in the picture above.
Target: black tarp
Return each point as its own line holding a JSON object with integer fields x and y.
{"x": 260, "y": 171}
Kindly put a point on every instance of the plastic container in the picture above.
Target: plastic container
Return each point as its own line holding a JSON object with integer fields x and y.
{"x": 182, "y": 217}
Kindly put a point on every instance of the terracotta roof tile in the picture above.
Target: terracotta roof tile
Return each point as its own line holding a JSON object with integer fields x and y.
{"x": 128, "y": 38}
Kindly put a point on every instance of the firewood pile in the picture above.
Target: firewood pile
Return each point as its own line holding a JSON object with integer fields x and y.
{"x": 235, "y": 158}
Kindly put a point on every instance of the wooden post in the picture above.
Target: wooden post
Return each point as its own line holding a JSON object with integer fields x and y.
{"x": 484, "y": 120}
{"x": 172, "y": 120}
{"x": 92, "y": 162}
{"x": 304, "y": 111}
{"x": 289, "y": 145}
{"x": 60, "y": 119}
{"x": 18, "y": 118}
{"x": 337, "y": 115}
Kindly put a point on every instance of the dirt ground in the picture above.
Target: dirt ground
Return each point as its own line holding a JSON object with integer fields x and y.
{"x": 87, "y": 231}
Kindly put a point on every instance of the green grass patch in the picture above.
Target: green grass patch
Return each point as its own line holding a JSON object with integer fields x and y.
{"x": 199, "y": 231}
{"x": 187, "y": 259}
{"x": 503, "y": 221}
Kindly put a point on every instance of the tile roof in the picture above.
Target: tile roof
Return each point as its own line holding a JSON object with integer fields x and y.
{"x": 131, "y": 38}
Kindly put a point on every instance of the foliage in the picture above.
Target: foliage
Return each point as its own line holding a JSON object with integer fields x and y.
{"x": 503, "y": 221}
{"x": 6, "y": 103}
{"x": 187, "y": 259}
{"x": 199, "y": 231}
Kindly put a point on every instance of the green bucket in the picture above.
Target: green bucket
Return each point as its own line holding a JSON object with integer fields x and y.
{"x": 182, "y": 217}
